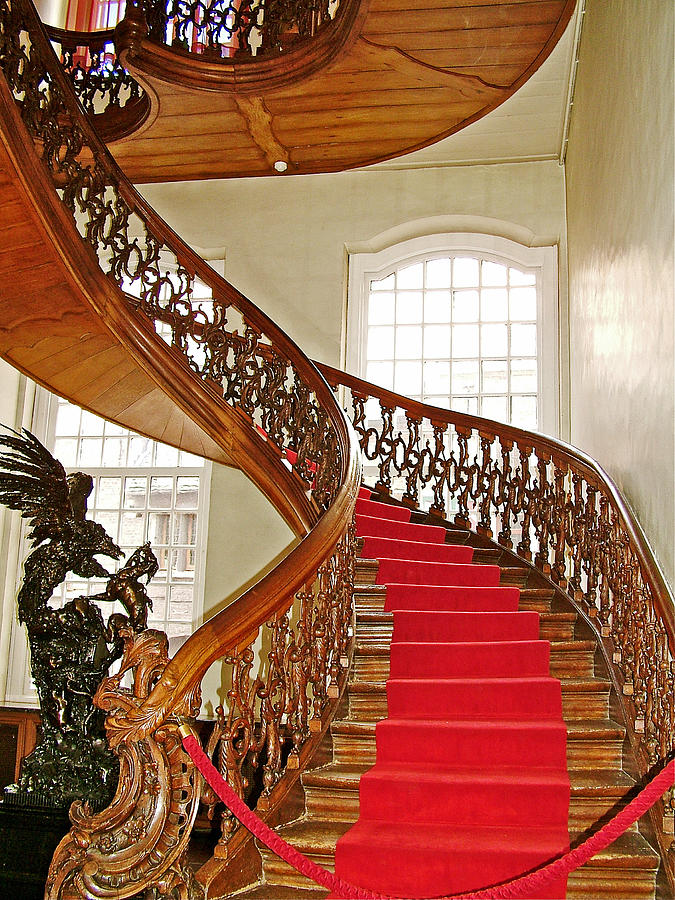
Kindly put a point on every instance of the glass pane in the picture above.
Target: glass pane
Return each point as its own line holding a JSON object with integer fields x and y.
{"x": 65, "y": 450}
{"x": 524, "y": 340}
{"x": 91, "y": 424}
{"x": 109, "y": 521}
{"x": 187, "y": 492}
{"x": 157, "y": 594}
{"x": 160, "y": 492}
{"x": 443, "y": 402}
{"x": 185, "y": 528}
{"x": 409, "y": 342}
{"x": 465, "y": 376}
{"x": 67, "y": 419}
{"x": 90, "y": 452}
{"x": 140, "y": 451}
{"x": 466, "y": 272}
{"x": 516, "y": 277}
{"x": 524, "y": 304}
{"x": 381, "y": 373}
{"x": 189, "y": 460}
{"x": 166, "y": 456}
{"x": 436, "y": 377}
{"x": 180, "y": 609}
{"x": 132, "y": 530}
{"x": 464, "y": 340}
{"x": 114, "y": 452}
{"x": 159, "y": 525}
{"x": 380, "y": 342}
{"x": 384, "y": 284}
{"x": 494, "y": 305}
{"x": 135, "y": 490}
{"x": 524, "y": 376}
{"x": 493, "y": 273}
{"x": 494, "y": 408}
{"x": 438, "y": 273}
{"x": 381, "y": 309}
{"x": 109, "y": 492}
{"x": 116, "y": 430}
{"x": 494, "y": 340}
{"x": 524, "y": 412}
{"x": 465, "y": 306}
{"x": 495, "y": 376}
{"x": 409, "y": 307}
{"x": 410, "y": 277}
{"x": 408, "y": 378}
{"x": 437, "y": 306}
{"x": 465, "y": 405}
{"x": 182, "y": 564}
{"x": 162, "y": 554}
{"x": 437, "y": 341}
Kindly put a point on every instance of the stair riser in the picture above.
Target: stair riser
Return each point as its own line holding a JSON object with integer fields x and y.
{"x": 612, "y": 883}
{"x": 353, "y": 749}
{"x": 550, "y": 629}
{"x": 279, "y": 872}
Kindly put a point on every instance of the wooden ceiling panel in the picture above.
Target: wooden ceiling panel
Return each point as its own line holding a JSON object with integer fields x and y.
{"x": 408, "y": 73}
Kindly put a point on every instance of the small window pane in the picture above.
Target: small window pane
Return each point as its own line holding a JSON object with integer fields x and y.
{"x": 465, "y": 272}
{"x": 409, "y": 307}
{"x": 524, "y": 376}
{"x": 438, "y": 273}
{"x": 182, "y": 564}
{"x": 493, "y": 274}
{"x": 524, "y": 304}
{"x": 90, "y": 452}
{"x": 381, "y": 309}
{"x": 109, "y": 492}
{"x": 383, "y": 284}
{"x": 115, "y": 452}
{"x": 409, "y": 342}
{"x": 134, "y": 492}
{"x": 437, "y": 341}
{"x": 465, "y": 306}
{"x": 408, "y": 378}
{"x": 494, "y": 305}
{"x": 437, "y": 306}
{"x": 140, "y": 451}
{"x": 185, "y": 528}
{"x": 161, "y": 491}
{"x": 159, "y": 525}
{"x": 465, "y": 376}
{"x": 187, "y": 492}
{"x": 516, "y": 277}
{"x": 464, "y": 340}
{"x": 91, "y": 424}
{"x": 132, "y": 530}
{"x": 495, "y": 376}
{"x": 437, "y": 377}
{"x": 443, "y": 403}
{"x": 494, "y": 340}
{"x": 524, "y": 340}
{"x": 67, "y": 419}
{"x": 166, "y": 456}
{"x": 381, "y": 373}
{"x": 109, "y": 520}
{"x": 524, "y": 412}
{"x": 65, "y": 450}
{"x": 495, "y": 408}
{"x": 380, "y": 342}
{"x": 410, "y": 277}
{"x": 466, "y": 405}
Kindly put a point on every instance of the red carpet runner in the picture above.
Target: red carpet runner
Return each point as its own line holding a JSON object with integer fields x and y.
{"x": 470, "y": 786}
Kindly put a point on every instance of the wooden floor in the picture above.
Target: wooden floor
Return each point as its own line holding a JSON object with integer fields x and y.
{"x": 394, "y": 76}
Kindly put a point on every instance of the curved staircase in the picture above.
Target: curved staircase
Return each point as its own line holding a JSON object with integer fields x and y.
{"x": 399, "y": 635}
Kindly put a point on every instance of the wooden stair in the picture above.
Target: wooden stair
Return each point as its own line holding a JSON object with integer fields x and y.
{"x": 599, "y": 780}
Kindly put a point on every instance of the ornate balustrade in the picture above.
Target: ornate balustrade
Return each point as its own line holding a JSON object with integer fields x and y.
{"x": 103, "y": 86}
{"x": 551, "y": 504}
{"x": 286, "y": 640}
{"x": 236, "y": 28}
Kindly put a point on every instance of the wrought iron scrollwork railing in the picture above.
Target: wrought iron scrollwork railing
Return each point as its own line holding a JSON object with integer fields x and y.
{"x": 236, "y": 28}
{"x": 103, "y": 86}
{"x": 552, "y": 505}
{"x": 286, "y": 640}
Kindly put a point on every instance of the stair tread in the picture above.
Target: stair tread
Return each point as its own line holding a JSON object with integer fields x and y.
{"x": 630, "y": 850}
{"x": 603, "y": 782}
{"x": 318, "y": 836}
{"x": 338, "y": 774}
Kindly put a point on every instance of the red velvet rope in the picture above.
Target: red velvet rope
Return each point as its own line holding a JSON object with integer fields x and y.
{"x": 530, "y": 883}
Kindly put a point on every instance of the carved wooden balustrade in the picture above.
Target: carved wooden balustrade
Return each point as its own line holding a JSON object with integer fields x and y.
{"x": 235, "y": 28}
{"x": 103, "y": 86}
{"x": 286, "y": 641}
{"x": 551, "y": 504}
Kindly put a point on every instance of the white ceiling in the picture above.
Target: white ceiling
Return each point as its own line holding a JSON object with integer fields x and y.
{"x": 530, "y": 125}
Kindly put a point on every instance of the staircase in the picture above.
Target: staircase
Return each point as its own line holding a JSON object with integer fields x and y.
{"x": 596, "y": 758}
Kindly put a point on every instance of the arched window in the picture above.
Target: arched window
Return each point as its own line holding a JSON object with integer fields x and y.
{"x": 463, "y": 321}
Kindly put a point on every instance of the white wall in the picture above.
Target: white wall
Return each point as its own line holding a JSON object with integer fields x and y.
{"x": 620, "y": 235}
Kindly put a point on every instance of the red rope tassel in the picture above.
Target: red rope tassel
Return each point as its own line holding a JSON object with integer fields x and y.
{"x": 509, "y": 891}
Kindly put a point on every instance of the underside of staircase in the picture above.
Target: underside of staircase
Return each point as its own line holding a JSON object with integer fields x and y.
{"x": 598, "y": 759}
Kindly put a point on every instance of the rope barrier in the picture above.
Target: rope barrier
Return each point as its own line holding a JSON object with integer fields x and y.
{"x": 511, "y": 890}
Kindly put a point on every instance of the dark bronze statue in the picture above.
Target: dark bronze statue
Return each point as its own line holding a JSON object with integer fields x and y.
{"x": 71, "y": 648}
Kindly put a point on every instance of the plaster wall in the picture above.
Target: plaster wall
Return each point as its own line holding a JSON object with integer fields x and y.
{"x": 620, "y": 237}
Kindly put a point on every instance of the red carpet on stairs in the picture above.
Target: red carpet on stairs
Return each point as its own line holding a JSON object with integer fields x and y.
{"x": 470, "y": 785}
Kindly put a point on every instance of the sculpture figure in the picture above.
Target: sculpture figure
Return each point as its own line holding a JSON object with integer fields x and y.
{"x": 71, "y": 648}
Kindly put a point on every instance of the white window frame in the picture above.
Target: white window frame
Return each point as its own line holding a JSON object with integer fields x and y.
{"x": 364, "y": 267}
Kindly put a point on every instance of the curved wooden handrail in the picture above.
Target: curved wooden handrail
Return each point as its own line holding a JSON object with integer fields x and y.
{"x": 558, "y": 450}
{"x": 252, "y": 391}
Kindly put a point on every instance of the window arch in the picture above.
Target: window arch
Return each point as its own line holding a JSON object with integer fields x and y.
{"x": 463, "y": 321}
